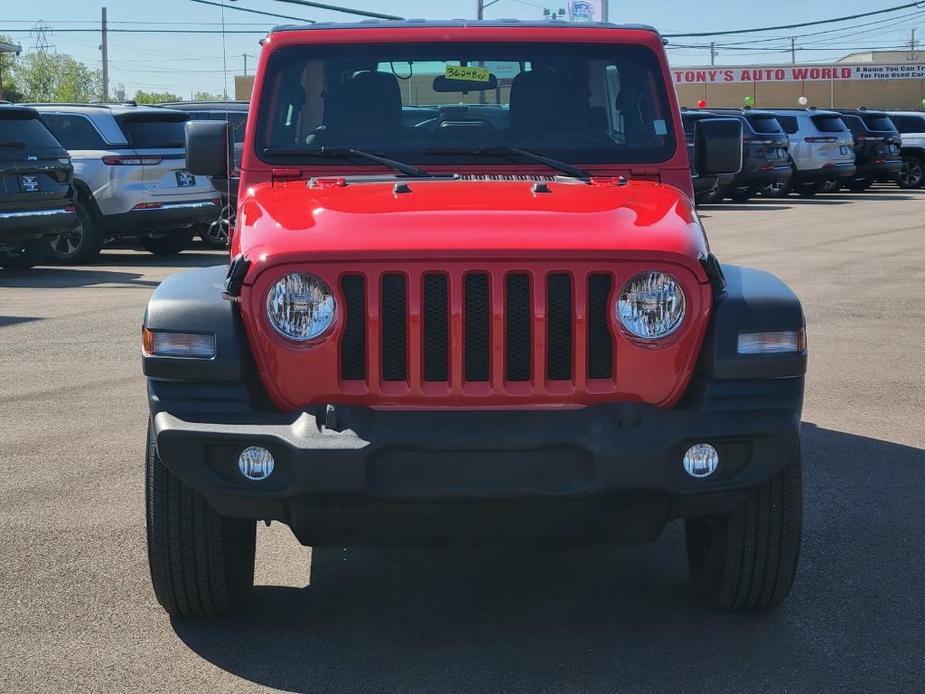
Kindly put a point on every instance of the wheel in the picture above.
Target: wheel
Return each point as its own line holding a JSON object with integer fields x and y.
{"x": 745, "y": 561}
{"x": 202, "y": 564}
{"x": 215, "y": 233}
{"x": 80, "y": 244}
{"x": 31, "y": 253}
{"x": 859, "y": 185}
{"x": 168, "y": 244}
{"x": 808, "y": 190}
{"x": 913, "y": 172}
{"x": 742, "y": 194}
{"x": 778, "y": 190}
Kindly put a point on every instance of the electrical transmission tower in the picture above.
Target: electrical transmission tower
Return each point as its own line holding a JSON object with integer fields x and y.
{"x": 41, "y": 36}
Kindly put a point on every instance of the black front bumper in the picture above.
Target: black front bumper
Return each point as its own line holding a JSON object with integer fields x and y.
{"x": 378, "y": 476}
{"x": 171, "y": 215}
{"x": 27, "y": 224}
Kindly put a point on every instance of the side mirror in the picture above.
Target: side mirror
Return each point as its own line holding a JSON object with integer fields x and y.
{"x": 207, "y": 146}
{"x": 717, "y": 146}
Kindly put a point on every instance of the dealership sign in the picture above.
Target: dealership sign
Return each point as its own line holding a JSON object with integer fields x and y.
{"x": 798, "y": 73}
{"x": 586, "y": 10}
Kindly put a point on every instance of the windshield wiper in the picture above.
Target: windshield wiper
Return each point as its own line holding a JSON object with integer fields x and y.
{"x": 17, "y": 145}
{"x": 557, "y": 164}
{"x": 345, "y": 153}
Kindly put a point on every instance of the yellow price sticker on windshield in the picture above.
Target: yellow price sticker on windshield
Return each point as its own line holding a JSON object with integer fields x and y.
{"x": 467, "y": 73}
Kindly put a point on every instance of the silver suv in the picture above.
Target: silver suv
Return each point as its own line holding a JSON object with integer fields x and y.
{"x": 821, "y": 150}
{"x": 911, "y": 125}
{"x": 129, "y": 171}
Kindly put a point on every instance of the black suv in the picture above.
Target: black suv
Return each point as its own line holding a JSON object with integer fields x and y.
{"x": 215, "y": 233}
{"x": 36, "y": 188}
{"x": 877, "y": 145}
{"x": 705, "y": 187}
{"x": 765, "y": 154}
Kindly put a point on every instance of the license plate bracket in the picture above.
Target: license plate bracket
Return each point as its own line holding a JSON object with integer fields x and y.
{"x": 185, "y": 179}
{"x": 30, "y": 184}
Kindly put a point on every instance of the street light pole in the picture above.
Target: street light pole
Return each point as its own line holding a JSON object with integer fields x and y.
{"x": 605, "y": 10}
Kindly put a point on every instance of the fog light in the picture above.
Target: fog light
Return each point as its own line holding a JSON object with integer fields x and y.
{"x": 701, "y": 460}
{"x": 256, "y": 463}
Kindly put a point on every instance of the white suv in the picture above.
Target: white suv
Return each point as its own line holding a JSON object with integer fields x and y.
{"x": 911, "y": 125}
{"x": 131, "y": 178}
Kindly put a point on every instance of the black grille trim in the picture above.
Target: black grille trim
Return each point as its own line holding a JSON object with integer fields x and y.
{"x": 518, "y": 327}
{"x": 600, "y": 341}
{"x": 353, "y": 341}
{"x": 559, "y": 302}
{"x": 394, "y": 328}
{"x": 436, "y": 329}
{"x": 477, "y": 346}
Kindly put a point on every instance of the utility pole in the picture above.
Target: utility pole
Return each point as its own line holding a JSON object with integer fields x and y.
{"x": 912, "y": 44}
{"x": 482, "y": 6}
{"x": 793, "y": 51}
{"x": 605, "y": 10}
{"x": 104, "y": 47}
{"x": 244, "y": 55}
{"x": 713, "y": 53}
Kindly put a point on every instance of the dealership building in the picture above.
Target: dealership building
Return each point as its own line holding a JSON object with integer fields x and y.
{"x": 876, "y": 79}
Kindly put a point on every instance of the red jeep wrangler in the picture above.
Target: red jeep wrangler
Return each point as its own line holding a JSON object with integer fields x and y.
{"x": 470, "y": 300}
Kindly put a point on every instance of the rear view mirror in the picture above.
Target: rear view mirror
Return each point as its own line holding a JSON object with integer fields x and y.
{"x": 717, "y": 146}
{"x": 208, "y": 145}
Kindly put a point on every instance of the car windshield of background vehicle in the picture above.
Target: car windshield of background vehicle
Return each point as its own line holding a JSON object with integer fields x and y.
{"x": 829, "y": 124}
{"x": 433, "y": 103}
{"x": 765, "y": 125}
{"x": 18, "y": 136}
{"x": 909, "y": 124}
{"x": 879, "y": 123}
{"x": 155, "y": 134}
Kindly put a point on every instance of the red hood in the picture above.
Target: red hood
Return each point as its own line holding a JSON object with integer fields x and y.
{"x": 295, "y": 221}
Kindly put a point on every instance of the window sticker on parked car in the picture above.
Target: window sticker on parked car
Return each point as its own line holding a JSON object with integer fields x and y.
{"x": 468, "y": 73}
{"x": 661, "y": 128}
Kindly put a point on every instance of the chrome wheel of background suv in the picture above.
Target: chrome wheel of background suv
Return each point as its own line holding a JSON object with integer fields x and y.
{"x": 215, "y": 233}
{"x": 79, "y": 244}
{"x": 912, "y": 174}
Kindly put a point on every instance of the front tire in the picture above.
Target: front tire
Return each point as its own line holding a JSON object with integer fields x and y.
{"x": 745, "y": 561}
{"x": 202, "y": 564}
{"x": 742, "y": 194}
{"x": 859, "y": 185}
{"x": 31, "y": 253}
{"x": 168, "y": 244}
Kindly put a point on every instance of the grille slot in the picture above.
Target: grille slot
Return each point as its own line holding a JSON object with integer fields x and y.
{"x": 559, "y": 302}
{"x": 436, "y": 336}
{"x": 353, "y": 342}
{"x": 394, "y": 328}
{"x": 477, "y": 328}
{"x": 518, "y": 327}
{"x": 600, "y": 342}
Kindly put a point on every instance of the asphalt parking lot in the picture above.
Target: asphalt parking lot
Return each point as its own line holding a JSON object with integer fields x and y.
{"x": 77, "y": 612}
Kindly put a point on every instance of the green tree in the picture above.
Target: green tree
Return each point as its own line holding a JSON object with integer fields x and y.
{"x": 56, "y": 77}
{"x": 142, "y": 97}
{"x": 9, "y": 90}
{"x": 206, "y": 96}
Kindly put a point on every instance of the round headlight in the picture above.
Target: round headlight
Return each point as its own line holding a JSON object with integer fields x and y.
{"x": 300, "y": 306}
{"x": 651, "y": 305}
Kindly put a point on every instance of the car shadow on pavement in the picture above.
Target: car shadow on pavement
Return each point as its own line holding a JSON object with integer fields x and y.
{"x": 7, "y": 321}
{"x": 70, "y": 278}
{"x": 607, "y": 619}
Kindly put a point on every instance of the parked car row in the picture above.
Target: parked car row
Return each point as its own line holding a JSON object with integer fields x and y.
{"x": 808, "y": 151}
{"x": 76, "y": 176}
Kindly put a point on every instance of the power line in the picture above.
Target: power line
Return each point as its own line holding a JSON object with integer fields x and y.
{"x": 794, "y": 26}
{"x": 247, "y": 9}
{"x": 337, "y": 8}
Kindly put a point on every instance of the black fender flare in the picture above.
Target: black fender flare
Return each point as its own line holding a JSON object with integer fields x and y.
{"x": 752, "y": 301}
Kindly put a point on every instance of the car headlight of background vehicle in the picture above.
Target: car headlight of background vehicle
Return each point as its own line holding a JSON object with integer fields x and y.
{"x": 301, "y": 307}
{"x": 651, "y": 305}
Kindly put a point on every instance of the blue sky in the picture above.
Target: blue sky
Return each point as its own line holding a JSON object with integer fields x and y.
{"x": 183, "y": 63}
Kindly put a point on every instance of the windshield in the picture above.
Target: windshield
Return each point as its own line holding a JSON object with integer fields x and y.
{"x": 18, "y": 135}
{"x": 765, "y": 125}
{"x": 155, "y": 134}
{"x": 433, "y": 103}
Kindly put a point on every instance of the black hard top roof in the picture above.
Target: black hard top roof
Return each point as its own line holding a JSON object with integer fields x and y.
{"x": 456, "y": 23}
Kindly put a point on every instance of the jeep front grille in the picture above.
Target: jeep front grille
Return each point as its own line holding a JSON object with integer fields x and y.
{"x": 494, "y": 331}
